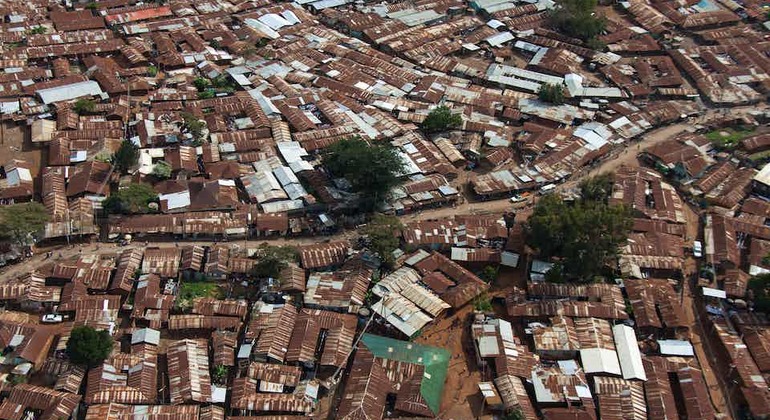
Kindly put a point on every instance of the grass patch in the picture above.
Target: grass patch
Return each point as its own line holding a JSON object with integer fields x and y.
{"x": 728, "y": 138}
{"x": 760, "y": 157}
{"x": 191, "y": 290}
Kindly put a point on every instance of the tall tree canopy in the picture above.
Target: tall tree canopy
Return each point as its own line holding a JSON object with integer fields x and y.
{"x": 759, "y": 292}
{"x": 383, "y": 236}
{"x": 126, "y": 157}
{"x": 584, "y": 236}
{"x": 372, "y": 170}
{"x": 20, "y": 222}
{"x": 441, "y": 119}
{"x": 272, "y": 260}
{"x": 578, "y": 19}
{"x": 552, "y": 93}
{"x": 89, "y": 347}
{"x": 597, "y": 188}
{"x": 132, "y": 199}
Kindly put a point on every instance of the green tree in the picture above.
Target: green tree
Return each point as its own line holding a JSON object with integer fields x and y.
{"x": 38, "y": 30}
{"x": 597, "y": 188}
{"x": 441, "y": 119}
{"x": 383, "y": 233}
{"x": 222, "y": 81}
{"x": 162, "y": 170}
{"x": 194, "y": 125}
{"x": 215, "y": 44}
{"x": 552, "y": 93}
{"x": 482, "y": 303}
{"x": 372, "y": 170}
{"x": 220, "y": 374}
{"x": 206, "y": 94}
{"x": 577, "y": 18}
{"x": 201, "y": 83}
{"x": 272, "y": 260}
{"x": 89, "y": 347}
{"x": 152, "y": 71}
{"x": 489, "y": 273}
{"x": 92, "y": 5}
{"x": 584, "y": 236}
{"x": 515, "y": 414}
{"x": 759, "y": 292}
{"x": 84, "y": 106}
{"x": 22, "y": 221}
{"x": 126, "y": 157}
{"x": 132, "y": 199}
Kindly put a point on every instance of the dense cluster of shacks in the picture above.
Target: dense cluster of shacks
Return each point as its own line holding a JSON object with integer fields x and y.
{"x": 623, "y": 351}
{"x": 297, "y": 78}
{"x": 291, "y": 79}
{"x": 280, "y": 353}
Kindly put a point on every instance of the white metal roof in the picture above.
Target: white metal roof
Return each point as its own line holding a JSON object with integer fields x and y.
{"x": 676, "y": 348}
{"x": 499, "y": 39}
{"x": 598, "y": 360}
{"x": 69, "y": 92}
{"x": 628, "y": 352}
{"x": 716, "y": 293}
{"x": 764, "y": 175}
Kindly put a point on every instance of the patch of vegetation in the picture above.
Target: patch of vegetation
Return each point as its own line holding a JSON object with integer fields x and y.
{"x": 133, "y": 199}
{"x": 84, "y": 106}
{"x": 201, "y": 83}
{"x": 126, "y": 157}
{"x": 489, "y": 273}
{"x": 152, "y": 71}
{"x": 759, "y": 292}
{"x": 441, "y": 119}
{"x": 578, "y": 19}
{"x": 514, "y": 414}
{"x": 17, "y": 379}
{"x": 728, "y": 138}
{"x": 597, "y": 188}
{"x": 219, "y": 375}
{"x": 190, "y": 290}
{"x": 583, "y": 236}
{"x": 372, "y": 170}
{"x": 383, "y": 235}
{"x": 162, "y": 170}
{"x": 760, "y": 157}
{"x": 22, "y": 222}
{"x": 551, "y": 93}
{"x": 89, "y": 347}
{"x": 193, "y": 125}
{"x": 38, "y": 30}
{"x": 482, "y": 303}
{"x": 206, "y": 94}
{"x": 272, "y": 260}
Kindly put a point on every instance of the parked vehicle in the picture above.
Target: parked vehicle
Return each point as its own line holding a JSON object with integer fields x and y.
{"x": 547, "y": 189}
{"x": 52, "y": 318}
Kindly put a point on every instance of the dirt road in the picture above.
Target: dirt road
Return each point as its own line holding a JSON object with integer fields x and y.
{"x": 465, "y": 208}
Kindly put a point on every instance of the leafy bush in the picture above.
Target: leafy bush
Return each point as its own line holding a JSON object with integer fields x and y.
{"x": 132, "y": 199}
{"x": 551, "y": 93}
{"x": 126, "y": 157}
{"x": 83, "y": 106}
{"x": 441, "y": 119}
{"x": 162, "y": 170}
